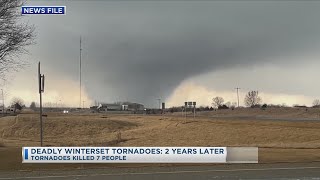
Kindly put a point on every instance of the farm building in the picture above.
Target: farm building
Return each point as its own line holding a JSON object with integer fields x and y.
{"x": 135, "y": 107}
{"x": 109, "y": 107}
{"x": 127, "y": 106}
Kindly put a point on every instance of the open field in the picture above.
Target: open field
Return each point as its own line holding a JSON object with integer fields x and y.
{"x": 279, "y": 141}
{"x": 284, "y": 112}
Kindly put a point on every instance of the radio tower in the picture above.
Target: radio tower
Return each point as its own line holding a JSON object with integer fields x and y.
{"x": 237, "y": 88}
{"x": 80, "y": 73}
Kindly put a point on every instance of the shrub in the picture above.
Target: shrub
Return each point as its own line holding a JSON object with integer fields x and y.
{"x": 264, "y": 106}
{"x": 223, "y": 107}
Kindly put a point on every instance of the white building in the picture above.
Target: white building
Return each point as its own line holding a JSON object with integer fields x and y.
{"x": 126, "y": 106}
{"x": 110, "y": 107}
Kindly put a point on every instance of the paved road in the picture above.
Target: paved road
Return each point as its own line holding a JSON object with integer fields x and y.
{"x": 283, "y": 171}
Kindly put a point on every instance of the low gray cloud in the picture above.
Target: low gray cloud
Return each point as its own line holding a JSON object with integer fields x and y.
{"x": 140, "y": 51}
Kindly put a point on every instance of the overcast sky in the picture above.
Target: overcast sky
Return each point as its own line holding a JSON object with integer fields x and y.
{"x": 140, "y": 51}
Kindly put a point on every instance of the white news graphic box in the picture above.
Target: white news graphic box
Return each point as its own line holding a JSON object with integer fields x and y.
{"x": 124, "y": 155}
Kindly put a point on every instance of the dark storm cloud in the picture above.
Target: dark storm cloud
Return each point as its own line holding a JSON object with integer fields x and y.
{"x": 142, "y": 50}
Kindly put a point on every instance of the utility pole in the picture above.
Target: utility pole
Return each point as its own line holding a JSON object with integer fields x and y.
{"x": 194, "y": 112}
{"x": 2, "y": 102}
{"x": 41, "y": 90}
{"x": 185, "y": 111}
{"x": 80, "y": 72}
{"x": 182, "y": 108}
{"x": 238, "y": 95}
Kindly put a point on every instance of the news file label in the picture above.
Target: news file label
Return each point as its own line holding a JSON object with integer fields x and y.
{"x": 51, "y": 10}
{"x": 124, "y": 155}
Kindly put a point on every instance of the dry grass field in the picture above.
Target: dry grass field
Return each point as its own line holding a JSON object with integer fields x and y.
{"x": 279, "y": 141}
{"x": 284, "y": 112}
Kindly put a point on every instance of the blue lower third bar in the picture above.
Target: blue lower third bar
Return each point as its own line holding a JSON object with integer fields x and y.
{"x": 25, "y": 154}
{"x": 55, "y": 10}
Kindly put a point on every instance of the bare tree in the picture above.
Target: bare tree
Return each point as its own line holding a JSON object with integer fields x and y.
{"x": 234, "y": 104}
{"x": 33, "y": 105}
{"x": 252, "y": 99}
{"x": 17, "y": 103}
{"x": 316, "y": 103}
{"x": 217, "y": 101}
{"x": 228, "y": 104}
{"x": 14, "y": 36}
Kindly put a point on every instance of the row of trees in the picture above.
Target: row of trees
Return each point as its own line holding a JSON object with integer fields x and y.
{"x": 33, "y": 105}
{"x": 218, "y": 102}
{"x": 18, "y": 103}
{"x": 252, "y": 99}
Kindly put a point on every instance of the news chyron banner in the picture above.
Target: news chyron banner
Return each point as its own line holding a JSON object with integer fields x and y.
{"x": 44, "y": 10}
{"x": 124, "y": 155}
